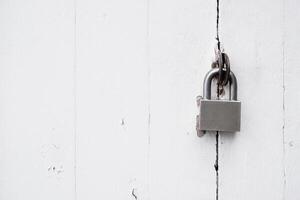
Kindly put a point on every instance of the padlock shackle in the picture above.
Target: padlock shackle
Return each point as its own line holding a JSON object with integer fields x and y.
{"x": 208, "y": 80}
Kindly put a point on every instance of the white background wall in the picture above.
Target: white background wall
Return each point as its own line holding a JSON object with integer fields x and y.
{"x": 97, "y": 100}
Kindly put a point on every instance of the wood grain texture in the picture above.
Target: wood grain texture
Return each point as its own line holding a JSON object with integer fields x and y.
{"x": 181, "y": 41}
{"x": 36, "y": 100}
{"x": 251, "y": 162}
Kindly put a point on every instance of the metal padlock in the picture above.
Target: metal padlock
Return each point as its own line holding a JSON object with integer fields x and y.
{"x": 218, "y": 115}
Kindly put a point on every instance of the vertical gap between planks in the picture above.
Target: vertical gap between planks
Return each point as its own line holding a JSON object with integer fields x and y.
{"x": 283, "y": 126}
{"x": 149, "y": 93}
{"x": 216, "y": 166}
{"x": 75, "y": 97}
{"x": 283, "y": 102}
{"x": 217, "y": 25}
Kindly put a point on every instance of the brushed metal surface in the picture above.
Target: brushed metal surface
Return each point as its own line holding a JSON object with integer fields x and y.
{"x": 219, "y": 115}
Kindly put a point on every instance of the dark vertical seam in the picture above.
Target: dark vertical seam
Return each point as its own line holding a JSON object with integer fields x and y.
{"x": 217, "y": 25}
{"x": 216, "y": 166}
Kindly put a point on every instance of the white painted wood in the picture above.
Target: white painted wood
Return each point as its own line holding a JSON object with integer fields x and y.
{"x": 98, "y": 100}
{"x": 135, "y": 63}
{"x": 291, "y": 98}
{"x": 251, "y": 162}
{"x": 181, "y": 39}
{"x": 112, "y": 100}
{"x": 36, "y": 100}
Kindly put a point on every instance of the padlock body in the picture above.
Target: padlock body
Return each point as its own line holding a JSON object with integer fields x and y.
{"x": 219, "y": 115}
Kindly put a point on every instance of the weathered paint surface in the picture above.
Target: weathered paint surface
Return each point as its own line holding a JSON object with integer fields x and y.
{"x": 37, "y": 99}
{"x": 97, "y": 100}
{"x": 251, "y": 162}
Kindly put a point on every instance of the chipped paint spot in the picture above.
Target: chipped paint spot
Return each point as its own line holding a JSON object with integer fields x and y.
{"x": 56, "y": 170}
{"x": 122, "y": 122}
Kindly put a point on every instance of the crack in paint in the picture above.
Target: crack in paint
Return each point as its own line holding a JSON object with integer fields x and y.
{"x": 133, "y": 194}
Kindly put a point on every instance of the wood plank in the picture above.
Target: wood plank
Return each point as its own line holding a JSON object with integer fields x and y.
{"x": 291, "y": 98}
{"x": 112, "y": 100}
{"x": 36, "y": 100}
{"x": 251, "y": 162}
{"x": 181, "y": 41}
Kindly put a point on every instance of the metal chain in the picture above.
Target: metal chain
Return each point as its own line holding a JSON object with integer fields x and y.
{"x": 222, "y": 62}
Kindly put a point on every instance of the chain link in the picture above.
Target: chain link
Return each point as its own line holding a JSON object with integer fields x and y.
{"x": 222, "y": 62}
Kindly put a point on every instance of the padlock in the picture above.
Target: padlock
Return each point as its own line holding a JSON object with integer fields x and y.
{"x": 218, "y": 115}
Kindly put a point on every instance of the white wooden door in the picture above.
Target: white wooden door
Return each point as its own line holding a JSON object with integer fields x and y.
{"x": 98, "y": 100}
